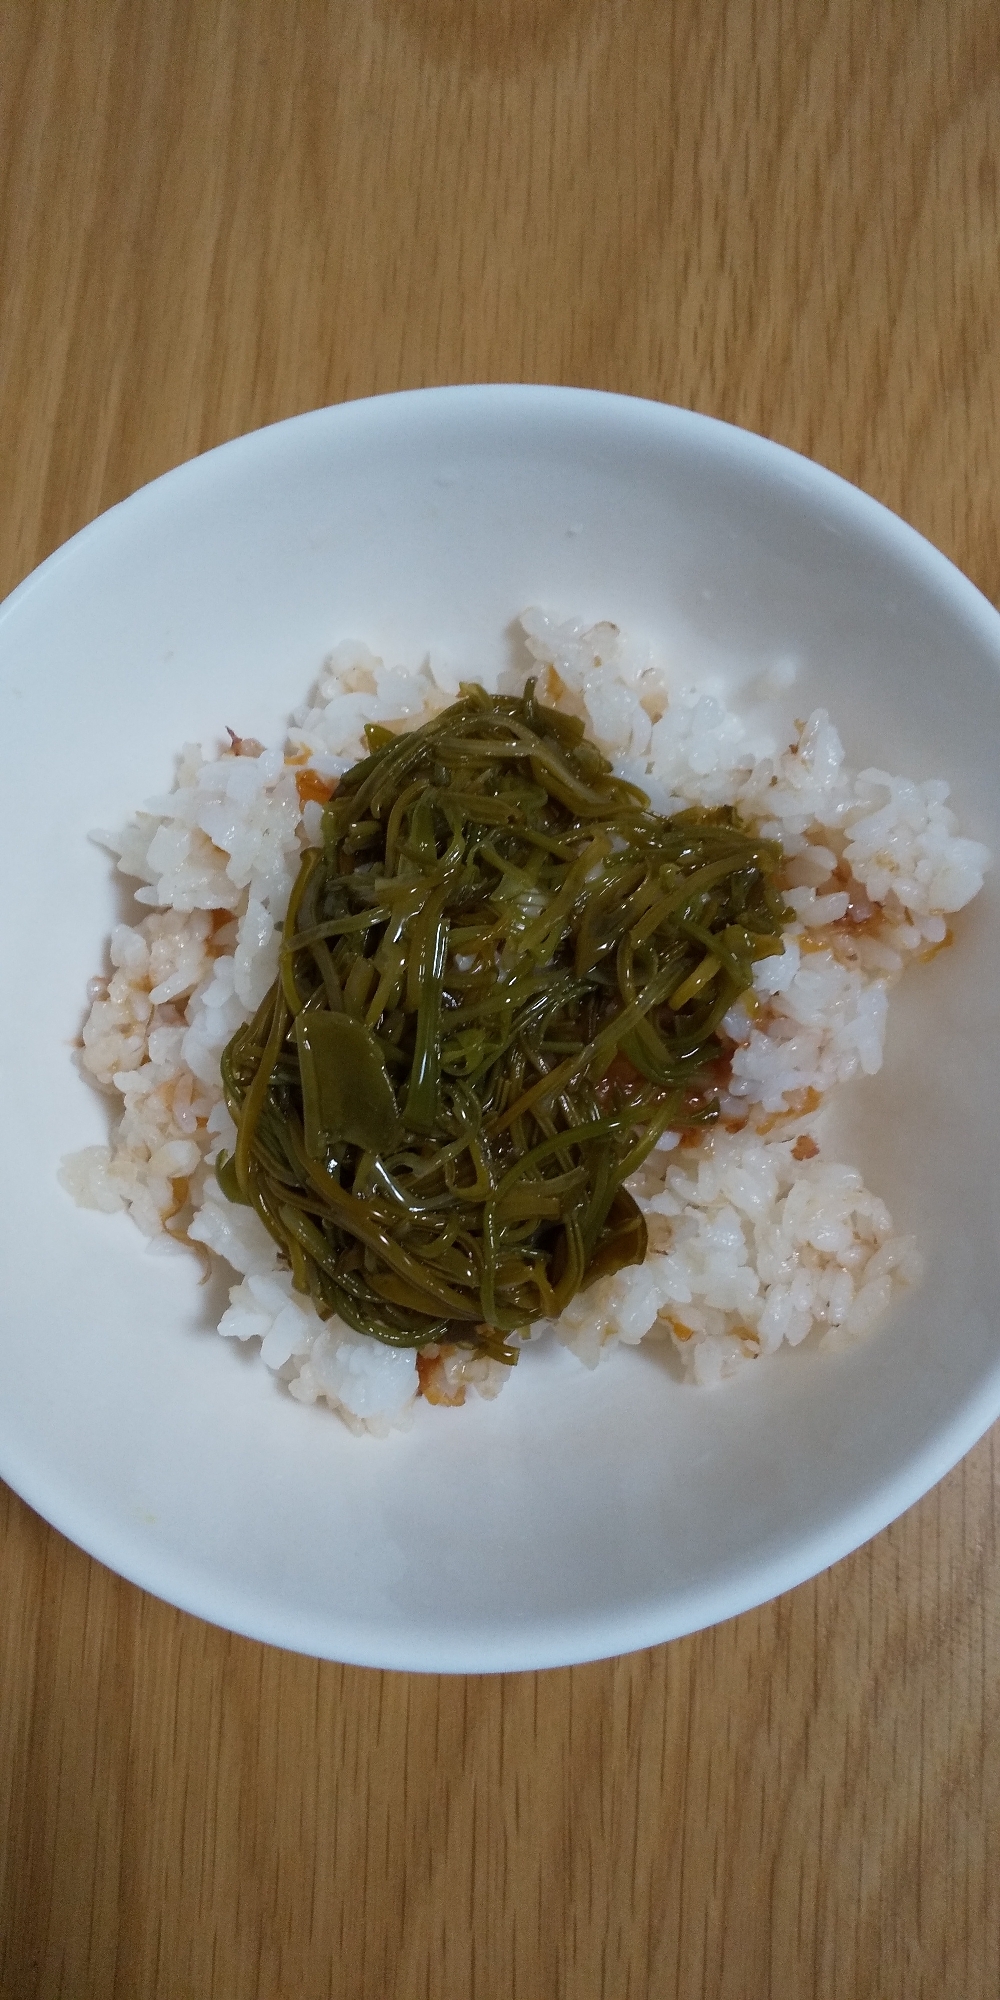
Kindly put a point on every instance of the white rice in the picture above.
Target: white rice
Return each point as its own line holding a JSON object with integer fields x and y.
{"x": 756, "y": 1239}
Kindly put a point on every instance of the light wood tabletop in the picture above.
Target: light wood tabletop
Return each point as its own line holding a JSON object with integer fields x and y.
{"x": 215, "y": 213}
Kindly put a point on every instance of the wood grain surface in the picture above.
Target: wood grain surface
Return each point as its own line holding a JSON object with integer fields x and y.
{"x": 214, "y": 213}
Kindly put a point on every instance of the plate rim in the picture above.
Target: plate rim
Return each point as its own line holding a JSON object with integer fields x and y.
{"x": 566, "y": 1642}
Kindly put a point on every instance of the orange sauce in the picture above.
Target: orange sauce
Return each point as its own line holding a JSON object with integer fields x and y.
{"x": 433, "y": 1381}
{"x": 310, "y": 785}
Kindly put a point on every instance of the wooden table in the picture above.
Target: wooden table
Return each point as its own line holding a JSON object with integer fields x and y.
{"x": 214, "y": 213}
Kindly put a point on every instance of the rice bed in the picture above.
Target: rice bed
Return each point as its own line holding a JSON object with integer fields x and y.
{"x": 756, "y": 1239}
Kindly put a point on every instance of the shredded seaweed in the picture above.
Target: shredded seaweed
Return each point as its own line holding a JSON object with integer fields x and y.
{"x": 501, "y": 981}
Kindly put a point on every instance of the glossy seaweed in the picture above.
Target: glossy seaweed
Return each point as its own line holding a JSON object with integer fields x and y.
{"x": 501, "y": 980}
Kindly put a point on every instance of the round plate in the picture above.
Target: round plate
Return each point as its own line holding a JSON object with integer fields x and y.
{"x": 581, "y": 1514}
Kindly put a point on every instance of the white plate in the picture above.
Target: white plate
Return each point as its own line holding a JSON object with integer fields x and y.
{"x": 580, "y": 1515}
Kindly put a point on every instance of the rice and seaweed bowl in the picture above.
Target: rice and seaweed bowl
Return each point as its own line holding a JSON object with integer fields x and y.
{"x": 752, "y": 1236}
